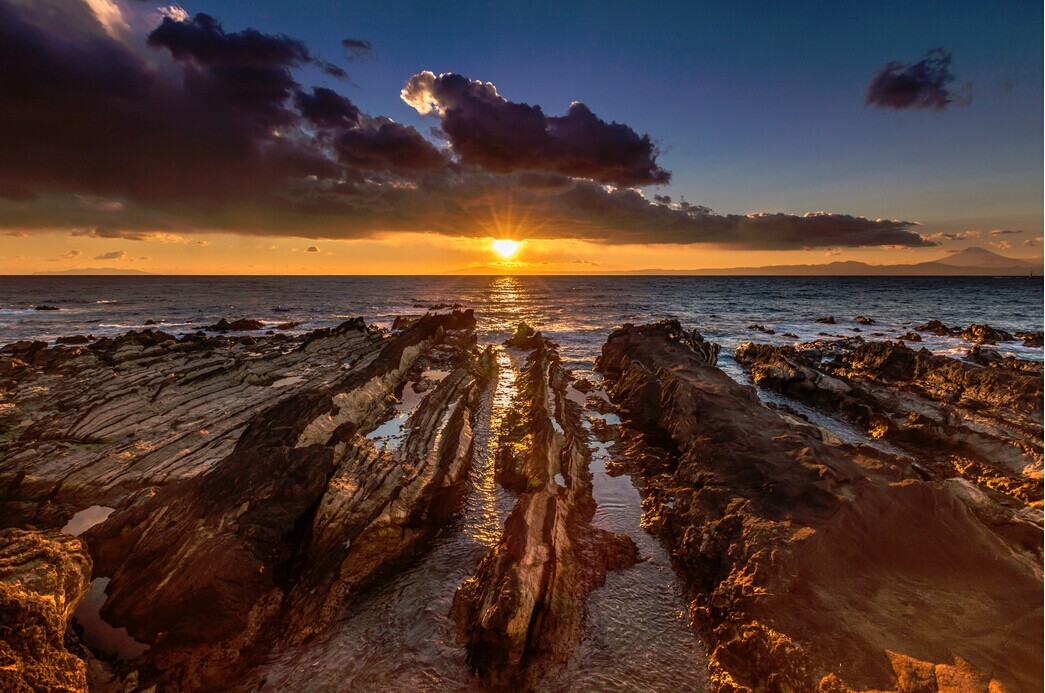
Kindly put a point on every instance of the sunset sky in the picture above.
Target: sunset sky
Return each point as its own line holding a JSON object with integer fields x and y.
{"x": 257, "y": 137}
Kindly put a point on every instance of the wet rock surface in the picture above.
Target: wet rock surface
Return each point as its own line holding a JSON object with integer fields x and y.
{"x": 828, "y": 566}
{"x": 256, "y": 504}
{"x": 43, "y": 576}
{"x": 525, "y": 605}
{"x": 90, "y": 425}
{"x": 956, "y": 418}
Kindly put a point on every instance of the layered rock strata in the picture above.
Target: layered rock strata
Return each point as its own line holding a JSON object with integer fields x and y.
{"x": 957, "y": 418}
{"x": 816, "y": 566}
{"x": 524, "y": 606}
{"x": 82, "y": 426}
{"x": 218, "y": 550}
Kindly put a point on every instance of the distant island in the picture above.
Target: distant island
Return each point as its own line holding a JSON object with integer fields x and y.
{"x": 93, "y": 271}
{"x": 970, "y": 262}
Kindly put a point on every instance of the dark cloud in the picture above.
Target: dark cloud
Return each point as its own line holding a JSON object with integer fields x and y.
{"x": 924, "y": 84}
{"x": 203, "y": 39}
{"x": 312, "y": 249}
{"x": 202, "y": 129}
{"x": 487, "y": 130}
{"x": 356, "y": 49}
{"x": 390, "y": 146}
{"x": 114, "y": 255}
{"x": 636, "y": 219}
{"x": 325, "y": 108}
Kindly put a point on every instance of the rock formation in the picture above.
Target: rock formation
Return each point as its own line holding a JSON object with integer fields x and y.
{"x": 954, "y": 417}
{"x": 252, "y": 500}
{"x": 43, "y": 576}
{"x": 820, "y": 566}
{"x": 525, "y": 603}
{"x": 90, "y": 425}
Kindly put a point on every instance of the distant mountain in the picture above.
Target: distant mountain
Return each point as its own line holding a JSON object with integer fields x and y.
{"x": 93, "y": 271}
{"x": 971, "y": 262}
{"x": 981, "y": 257}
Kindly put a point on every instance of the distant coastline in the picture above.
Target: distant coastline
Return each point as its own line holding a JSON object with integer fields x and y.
{"x": 970, "y": 262}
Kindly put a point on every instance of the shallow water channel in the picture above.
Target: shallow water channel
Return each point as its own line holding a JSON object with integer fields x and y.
{"x": 399, "y": 634}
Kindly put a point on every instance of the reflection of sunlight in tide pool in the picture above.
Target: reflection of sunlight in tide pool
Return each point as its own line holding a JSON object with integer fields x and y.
{"x": 484, "y": 521}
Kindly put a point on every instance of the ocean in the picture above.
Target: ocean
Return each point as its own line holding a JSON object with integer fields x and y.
{"x": 577, "y": 312}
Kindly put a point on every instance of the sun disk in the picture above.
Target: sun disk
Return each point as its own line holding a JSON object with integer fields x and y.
{"x": 505, "y": 247}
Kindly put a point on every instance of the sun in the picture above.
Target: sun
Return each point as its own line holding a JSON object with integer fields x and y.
{"x": 505, "y": 248}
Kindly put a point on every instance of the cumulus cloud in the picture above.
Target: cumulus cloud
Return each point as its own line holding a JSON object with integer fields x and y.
{"x": 17, "y": 234}
{"x": 199, "y": 128}
{"x": 924, "y": 84}
{"x": 312, "y": 249}
{"x": 69, "y": 255}
{"x": 1033, "y": 242}
{"x": 114, "y": 255}
{"x": 488, "y": 130}
{"x": 1003, "y": 232}
{"x": 1002, "y": 245}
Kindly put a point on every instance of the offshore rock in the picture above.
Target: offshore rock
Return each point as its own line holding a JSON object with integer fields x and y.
{"x": 524, "y": 607}
{"x": 817, "y": 566}
{"x": 985, "y": 334}
{"x": 241, "y": 325}
{"x": 43, "y": 576}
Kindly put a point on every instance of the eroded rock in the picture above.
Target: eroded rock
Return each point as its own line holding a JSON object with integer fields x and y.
{"x": 525, "y": 605}
{"x": 43, "y": 576}
{"x": 815, "y": 565}
{"x": 934, "y": 407}
{"x": 268, "y": 543}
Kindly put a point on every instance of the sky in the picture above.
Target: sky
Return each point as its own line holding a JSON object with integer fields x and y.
{"x": 256, "y": 137}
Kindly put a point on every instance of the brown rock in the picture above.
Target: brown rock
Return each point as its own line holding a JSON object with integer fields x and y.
{"x": 985, "y": 334}
{"x": 811, "y": 562}
{"x": 525, "y": 604}
{"x": 43, "y": 576}
{"x": 205, "y": 569}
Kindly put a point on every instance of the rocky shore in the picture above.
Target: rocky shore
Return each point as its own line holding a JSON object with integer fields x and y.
{"x": 816, "y": 565}
{"x": 240, "y": 493}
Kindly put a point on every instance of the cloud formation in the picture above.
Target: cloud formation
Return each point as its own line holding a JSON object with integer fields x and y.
{"x": 114, "y": 255}
{"x": 486, "y": 129}
{"x": 951, "y": 236}
{"x": 924, "y": 84}
{"x": 194, "y": 127}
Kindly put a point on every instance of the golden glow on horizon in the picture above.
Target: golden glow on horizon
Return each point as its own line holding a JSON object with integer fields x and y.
{"x": 505, "y": 248}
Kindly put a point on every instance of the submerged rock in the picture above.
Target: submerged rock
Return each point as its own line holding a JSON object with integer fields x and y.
{"x": 818, "y": 566}
{"x": 863, "y": 320}
{"x": 1031, "y": 339}
{"x": 43, "y": 577}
